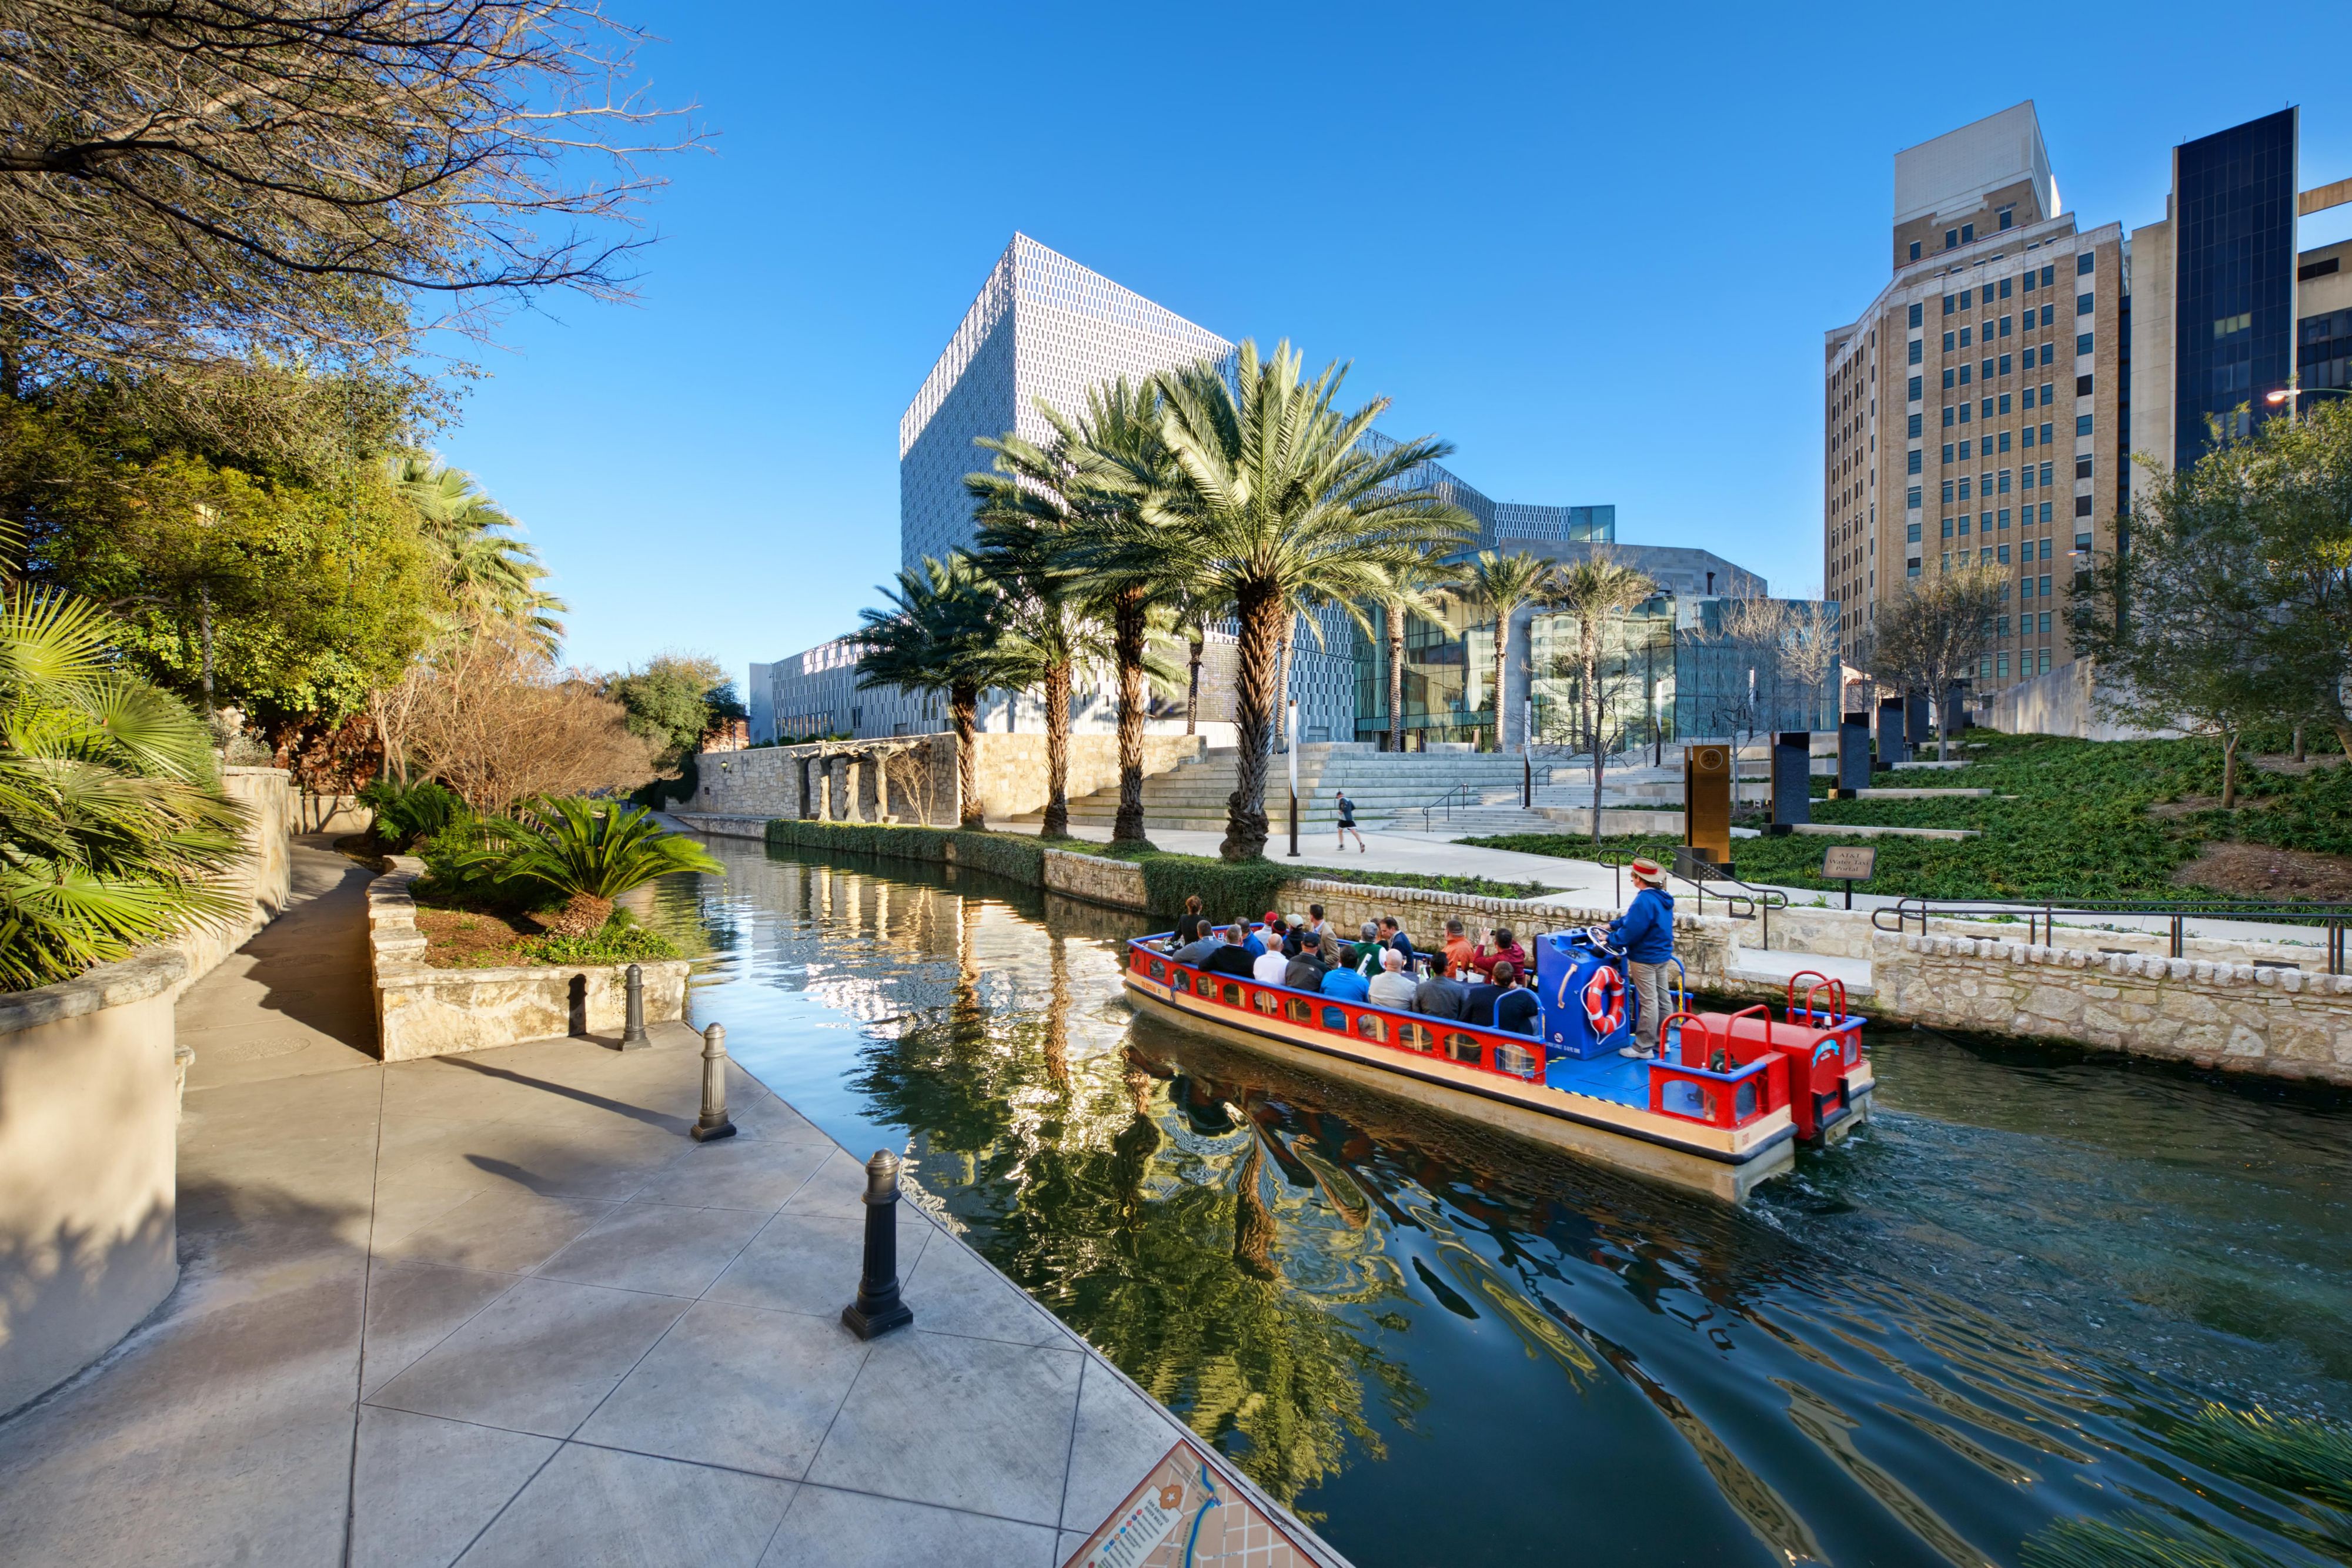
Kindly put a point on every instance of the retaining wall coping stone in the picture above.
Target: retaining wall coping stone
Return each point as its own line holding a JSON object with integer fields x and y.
{"x": 131, "y": 979}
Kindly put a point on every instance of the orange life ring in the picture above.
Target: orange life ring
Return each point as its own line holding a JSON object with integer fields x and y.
{"x": 1604, "y": 1001}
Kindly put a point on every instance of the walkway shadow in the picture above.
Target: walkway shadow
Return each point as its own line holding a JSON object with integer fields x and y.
{"x": 666, "y": 1123}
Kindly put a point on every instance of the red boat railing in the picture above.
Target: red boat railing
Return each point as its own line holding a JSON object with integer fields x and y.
{"x": 1728, "y": 1100}
{"x": 1697, "y": 1092}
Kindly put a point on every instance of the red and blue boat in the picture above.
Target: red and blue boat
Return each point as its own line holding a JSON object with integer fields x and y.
{"x": 1721, "y": 1108}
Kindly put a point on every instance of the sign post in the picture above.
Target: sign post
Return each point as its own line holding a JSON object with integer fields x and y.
{"x": 1849, "y": 863}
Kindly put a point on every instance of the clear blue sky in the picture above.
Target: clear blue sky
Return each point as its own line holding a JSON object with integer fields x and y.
{"x": 1595, "y": 247}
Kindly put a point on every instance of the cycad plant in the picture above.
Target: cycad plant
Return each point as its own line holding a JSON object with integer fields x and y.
{"x": 591, "y": 851}
{"x": 939, "y": 637}
{"x": 1281, "y": 500}
{"x": 1502, "y": 586}
{"x": 113, "y": 831}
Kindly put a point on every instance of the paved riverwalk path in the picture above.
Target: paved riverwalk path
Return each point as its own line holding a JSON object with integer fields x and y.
{"x": 501, "y": 1309}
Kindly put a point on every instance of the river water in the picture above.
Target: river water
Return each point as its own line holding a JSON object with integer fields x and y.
{"x": 1984, "y": 1312}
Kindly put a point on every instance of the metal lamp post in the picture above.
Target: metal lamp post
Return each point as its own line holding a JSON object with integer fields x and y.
{"x": 1291, "y": 723}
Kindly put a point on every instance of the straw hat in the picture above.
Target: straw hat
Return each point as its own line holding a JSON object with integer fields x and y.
{"x": 1647, "y": 870}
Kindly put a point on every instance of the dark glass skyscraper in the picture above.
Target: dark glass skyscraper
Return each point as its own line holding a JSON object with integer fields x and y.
{"x": 2234, "y": 305}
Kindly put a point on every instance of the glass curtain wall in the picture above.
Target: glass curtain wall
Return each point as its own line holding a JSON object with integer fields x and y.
{"x": 1449, "y": 680}
{"x": 1634, "y": 680}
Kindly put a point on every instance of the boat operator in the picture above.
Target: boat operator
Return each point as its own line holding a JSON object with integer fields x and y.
{"x": 1645, "y": 935}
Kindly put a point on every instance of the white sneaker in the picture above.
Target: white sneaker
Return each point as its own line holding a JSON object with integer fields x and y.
{"x": 1639, "y": 1052}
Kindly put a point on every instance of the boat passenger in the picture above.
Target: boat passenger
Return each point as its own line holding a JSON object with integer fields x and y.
{"x": 1500, "y": 947}
{"x": 1304, "y": 972}
{"x": 1232, "y": 955}
{"x": 1201, "y": 941}
{"x": 1518, "y": 1008}
{"x": 1392, "y": 933}
{"x": 1458, "y": 949}
{"x": 1270, "y": 966}
{"x": 1367, "y": 949}
{"x": 1441, "y": 997}
{"x": 1317, "y": 925}
{"x": 1342, "y": 981}
{"x": 1391, "y": 987}
{"x": 1250, "y": 940}
{"x": 1645, "y": 935}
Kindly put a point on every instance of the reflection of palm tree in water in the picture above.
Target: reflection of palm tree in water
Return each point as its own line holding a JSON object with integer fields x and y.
{"x": 1253, "y": 1229}
{"x": 1057, "y": 1017}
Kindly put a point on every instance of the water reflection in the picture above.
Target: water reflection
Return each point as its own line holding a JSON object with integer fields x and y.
{"x": 1986, "y": 1313}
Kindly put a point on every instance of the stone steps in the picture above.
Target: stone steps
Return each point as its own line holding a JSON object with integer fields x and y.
{"x": 1383, "y": 787}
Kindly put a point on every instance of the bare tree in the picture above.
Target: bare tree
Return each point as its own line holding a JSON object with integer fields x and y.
{"x": 496, "y": 721}
{"x": 189, "y": 182}
{"x": 1933, "y": 634}
{"x": 1593, "y": 591}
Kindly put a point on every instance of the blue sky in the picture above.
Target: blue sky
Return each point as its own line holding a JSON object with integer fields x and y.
{"x": 1595, "y": 247}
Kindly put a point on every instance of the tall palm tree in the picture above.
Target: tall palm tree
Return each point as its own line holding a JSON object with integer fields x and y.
{"x": 939, "y": 636}
{"x": 113, "y": 831}
{"x": 1419, "y": 589}
{"x": 1503, "y": 585}
{"x": 1591, "y": 591}
{"x": 1279, "y": 501}
{"x": 487, "y": 569}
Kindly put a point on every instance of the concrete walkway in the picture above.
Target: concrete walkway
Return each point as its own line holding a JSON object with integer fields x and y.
{"x": 501, "y": 1309}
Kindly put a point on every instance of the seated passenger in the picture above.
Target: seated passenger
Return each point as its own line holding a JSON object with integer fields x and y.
{"x": 1251, "y": 941}
{"x": 1304, "y": 972}
{"x": 1200, "y": 941}
{"x": 1499, "y": 948}
{"x": 1392, "y": 933}
{"x": 1441, "y": 997}
{"x": 1518, "y": 1008}
{"x": 1459, "y": 949}
{"x": 1391, "y": 987}
{"x": 1342, "y": 981}
{"x": 1232, "y": 955}
{"x": 1367, "y": 949}
{"x": 1270, "y": 966}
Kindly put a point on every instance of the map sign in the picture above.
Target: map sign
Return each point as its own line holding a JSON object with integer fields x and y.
{"x": 1184, "y": 1514}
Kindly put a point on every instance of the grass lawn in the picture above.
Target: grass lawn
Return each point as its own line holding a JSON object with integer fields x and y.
{"x": 2069, "y": 818}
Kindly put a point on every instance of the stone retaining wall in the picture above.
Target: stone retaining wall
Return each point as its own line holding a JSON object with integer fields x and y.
{"x": 2281, "y": 1022}
{"x": 424, "y": 1012}
{"x": 1097, "y": 879}
{"x": 1009, "y": 770}
{"x": 1848, "y": 934}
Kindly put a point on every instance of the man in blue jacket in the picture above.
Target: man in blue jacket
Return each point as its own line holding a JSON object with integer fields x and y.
{"x": 1646, "y": 933}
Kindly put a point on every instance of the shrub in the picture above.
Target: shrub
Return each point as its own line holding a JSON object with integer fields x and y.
{"x": 617, "y": 941}
{"x": 1227, "y": 889}
{"x": 585, "y": 853}
{"x": 406, "y": 813}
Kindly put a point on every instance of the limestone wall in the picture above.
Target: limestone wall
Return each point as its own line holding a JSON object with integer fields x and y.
{"x": 263, "y": 876}
{"x": 2282, "y": 1022}
{"x": 1848, "y": 934}
{"x": 1009, "y": 772}
{"x": 2062, "y": 701}
{"x": 424, "y": 1012}
{"x": 1118, "y": 883}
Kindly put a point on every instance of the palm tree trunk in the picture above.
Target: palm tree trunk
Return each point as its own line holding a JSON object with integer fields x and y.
{"x": 1502, "y": 671}
{"x": 1260, "y": 612}
{"x": 1282, "y": 683}
{"x": 1395, "y": 618}
{"x": 1057, "y": 751}
{"x": 1587, "y": 650}
{"x": 1127, "y": 636}
{"x": 963, "y": 705}
{"x": 1197, "y": 639}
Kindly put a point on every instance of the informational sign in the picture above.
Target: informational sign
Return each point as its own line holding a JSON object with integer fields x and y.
{"x": 1185, "y": 1514}
{"x": 1850, "y": 862}
{"x": 1707, "y": 804}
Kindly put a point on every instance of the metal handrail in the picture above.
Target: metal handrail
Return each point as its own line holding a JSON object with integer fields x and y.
{"x": 1758, "y": 901}
{"x": 2334, "y": 916}
{"x": 1445, "y": 803}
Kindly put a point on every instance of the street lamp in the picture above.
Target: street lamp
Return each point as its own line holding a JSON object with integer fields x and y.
{"x": 2287, "y": 394}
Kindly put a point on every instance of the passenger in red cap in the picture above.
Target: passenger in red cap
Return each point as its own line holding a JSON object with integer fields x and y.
{"x": 1646, "y": 933}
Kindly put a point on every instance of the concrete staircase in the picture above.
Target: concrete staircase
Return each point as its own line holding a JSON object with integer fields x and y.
{"x": 1388, "y": 787}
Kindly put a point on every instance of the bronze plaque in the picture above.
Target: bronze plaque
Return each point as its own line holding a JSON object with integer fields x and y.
{"x": 1706, "y": 802}
{"x": 1849, "y": 863}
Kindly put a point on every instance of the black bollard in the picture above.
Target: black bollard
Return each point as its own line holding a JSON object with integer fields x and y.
{"x": 877, "y": 1309}
{"x": 714, "y": 1122}
{"x": 633, "y": 1028}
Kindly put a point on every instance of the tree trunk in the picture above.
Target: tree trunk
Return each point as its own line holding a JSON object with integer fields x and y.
{"x": 1502, "y": 673}
{"x": 964, "y": 704}
{"x": 1588, "y": 652}
{"x": 2229, "y": 769}
{"x": 1259, "y": 612}
{"x": 2299, "y": 752}
{"x": 2343, "y": 736}
{"x": 204, "y": 627}
{"x": 1057, "y": 751}
{"x": 1127, "y": 634}
{"x": 1197, "y": 639}
{"x": 1282, "y": 684}
{"x": 1396, "y": 678}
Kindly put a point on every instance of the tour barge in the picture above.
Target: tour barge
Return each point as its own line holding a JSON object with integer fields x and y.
{"x": 1722, "y": 1107}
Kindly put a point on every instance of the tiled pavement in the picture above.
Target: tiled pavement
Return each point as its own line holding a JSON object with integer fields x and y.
{"x": 499, "y": 1309}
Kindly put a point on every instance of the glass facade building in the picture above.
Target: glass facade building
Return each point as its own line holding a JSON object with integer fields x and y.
{"x": 2234, "y": 327}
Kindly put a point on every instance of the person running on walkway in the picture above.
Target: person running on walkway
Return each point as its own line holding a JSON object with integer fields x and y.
{"x": 1348, "y": 821}
{"x": 1391, "y": 987}
{"x": 1341, "y": 982}
{"x": 1232, "y": 955}
{"x": 1645, "y": 935}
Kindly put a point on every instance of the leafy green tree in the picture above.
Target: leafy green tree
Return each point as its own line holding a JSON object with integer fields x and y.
{"x": 1592, "y": 590}
{"x": 2299, "y": 475}
{"x": 113, "y": 832}
{"x": 939, "y": 636}
{"x": 672, "y": 701}
{"x": 1281, "y": 500}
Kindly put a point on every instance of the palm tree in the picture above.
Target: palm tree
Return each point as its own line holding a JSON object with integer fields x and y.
{"x": 1281, "y": 501}
{"x": 1503, "y": 585}
{"x": 113, "y": 832}
{"x": 1418, "y": 589}
{"x": 1195, "y": 606}
{"x": 939, "y": 636}
{"x": 488, "y": 571}
{"x": 1591, "y": 591}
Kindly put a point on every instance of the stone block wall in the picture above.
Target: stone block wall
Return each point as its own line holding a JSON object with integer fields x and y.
{"x": 1010, "y": 776}
{"x": 1118, "y": 883}
{"x": 262, "y": 878}
{"x": 2281, "y": 1022}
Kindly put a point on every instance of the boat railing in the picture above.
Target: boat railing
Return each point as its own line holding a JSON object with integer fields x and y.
{"x": 1726, "y": 1099}
{"x": 2333, "y": 916}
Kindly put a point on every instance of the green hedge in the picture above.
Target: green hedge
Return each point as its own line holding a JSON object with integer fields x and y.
{"x": 1227, "y": 889}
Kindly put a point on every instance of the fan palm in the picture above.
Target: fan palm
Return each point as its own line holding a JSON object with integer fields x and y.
{"x": 1591, "y": 591}
{"x": 1419, "y": 589}
{"x": 486, "y": 568}
{"x": 592, "y": 852}
{"x": 1502, "y": 586}
{"x": 939, "y": 637}
{"x": 113, "y": 832}
{"x": 1280, "y": 501}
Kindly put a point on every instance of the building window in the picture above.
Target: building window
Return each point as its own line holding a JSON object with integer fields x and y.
{"x": 1986, "y": 297}
{"x": 1964, "y": 452}
{"x": 1914, "y": 255}
{"x": 2008, "y": 216}
{"x": 2083, "y": 263}
{"x": 2049, "y": 276}
{"x": 2025, "y": 436}
{"x": 1947, "y": 416}
{"x": 2045, "y": 511}
{"x": 1913, "y": 424}
{"x": 1947, "y": 305}
{"x": 2004, "y": 364}
{"x": 1964, "y": 336}
{"x": 2004, "y": 320}
{"x": 1948, "y": 457}
{"x": 1912, "y": 390}
{"x": 2081, "y": 304}
{"x": 2025, "y": 588}
{"x": 1951, "y": 238}
{"x": 1916, "y": 349}
{"x": 2045, "y": 475}
{"x": 1948, "y": 524}
{"x": 2046, "y": 593}
{"x": 1967, "y": 232}
{"x": 2005, "y": 441}
{"x": 1918, "y": 314}
{"x": 1947, "y": 488}
{"x": 2048, "y": 392}
{"x": 1911, "y": 499}
{"x": 1947, "y": 342}
{"x": 2083, "y": 343}
{"x": 2082, "y": 386}
{"x": 2082, "y": 425}
{"x": 2049, "y": 314}
{"x": 1968, "y": 413}
{"x": 2047, "y": 437}
{"x": 2082, "y": 505}
{"x": 1947, "y": 378}
{"x": 2004, "y": 402}
{"x": 1911, "y": 534}
{"x": 1916, "y": 454}
{"x": 2082, "y": 544}
{"x": 1985, "y": 370}
{"x": 2083, "y": 466}
{"x": 1964, "y": 495}
{"x": 2025, "y": 479}
{"x": 1964, "y": 375}
{"x": 1911, "y": 567}
{"x": 2001, "y": 659}
{"x": 2045, "y": 652}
